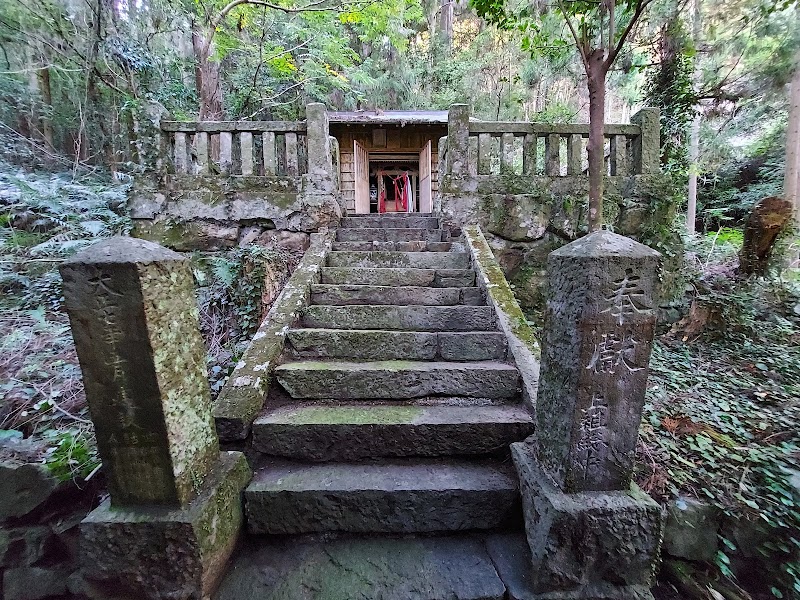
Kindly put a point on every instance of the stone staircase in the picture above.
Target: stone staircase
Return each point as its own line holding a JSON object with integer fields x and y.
{"x": 398, "y": 399}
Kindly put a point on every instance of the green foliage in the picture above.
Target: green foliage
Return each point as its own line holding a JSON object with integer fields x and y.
{"x": 72, "y": 455}
{"x": 720, "y": 420}
{"x": 669, "y": 87}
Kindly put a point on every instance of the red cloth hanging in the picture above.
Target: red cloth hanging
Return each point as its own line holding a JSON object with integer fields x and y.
{"x": 400, "y": 195}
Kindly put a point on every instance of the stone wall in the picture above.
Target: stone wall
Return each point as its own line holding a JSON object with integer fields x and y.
{"x": 39, "y": 531}
{"x": 526, "y": 185}
{"x": 526, "y": 218}
{"x": 268, "y": 176}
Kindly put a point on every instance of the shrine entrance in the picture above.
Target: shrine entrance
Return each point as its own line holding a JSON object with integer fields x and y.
{"x": 388, "y": 159}
{"x": 389, "y": 182}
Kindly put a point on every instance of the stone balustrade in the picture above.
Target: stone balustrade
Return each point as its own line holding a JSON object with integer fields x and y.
{"x": 254, "y": 148}
{"x": 486, "y": 148}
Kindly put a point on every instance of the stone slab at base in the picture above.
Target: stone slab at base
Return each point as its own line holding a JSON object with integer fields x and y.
{"x": 157, "y": 553}
{"x": 587, "y": 545}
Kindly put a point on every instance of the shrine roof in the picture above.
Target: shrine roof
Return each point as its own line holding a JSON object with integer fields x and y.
{"x": 389, "y": 117}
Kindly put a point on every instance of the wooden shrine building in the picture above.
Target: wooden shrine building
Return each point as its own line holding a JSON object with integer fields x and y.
{"x": 377, "y": 148}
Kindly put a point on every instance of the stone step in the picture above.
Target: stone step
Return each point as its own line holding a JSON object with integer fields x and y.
{"x": 398, "y": 277}
{"x": 413, "y": 260}
{"x": 369, "y": 567}
{"x": 369, "y": 345}
{"x": 390, "y": 222}
{"x": 397, "y": 380}
{"x": 357, "y": 431}
{"x": 397, "y": 295}
{"x": 399, "y": 497}
{"x": 400, "y": 318}
{"x": 388, "y": 234}
{"x": 413, "y": 246}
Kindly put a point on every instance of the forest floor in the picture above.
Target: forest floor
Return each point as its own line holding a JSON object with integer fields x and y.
{"x": 723, "y": 401}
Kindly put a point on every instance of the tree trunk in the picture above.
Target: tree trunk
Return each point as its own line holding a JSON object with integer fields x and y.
{"x": 207, "y": 78}
{"x": 47, "y": 100}
{"x": 596, "y": 74}
{"x": 446, "y": 12}
{"x": 791, "y": 179}
{"x": 765, "y": 223}
{"x": 694, "y": 135}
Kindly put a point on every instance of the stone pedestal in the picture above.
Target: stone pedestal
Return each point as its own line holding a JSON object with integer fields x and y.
{"x": 135, "y": 322}
{"x": 587, "y": 545}
{"x": 592, "y": 534}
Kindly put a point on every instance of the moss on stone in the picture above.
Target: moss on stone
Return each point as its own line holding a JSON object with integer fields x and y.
{"x": 353, "y": 415}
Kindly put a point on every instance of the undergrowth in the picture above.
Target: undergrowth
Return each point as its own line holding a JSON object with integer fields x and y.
{"x": 723, "y": 405}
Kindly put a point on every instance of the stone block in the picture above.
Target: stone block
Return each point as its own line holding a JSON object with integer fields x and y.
{"x": 242, "y": 396}
{"x": 154, "y": 553}
{"x": 691, "y": 529}
{"x": 586, "y": 542}
{"x": 23, "y": 488}
{"x": 35, "y": 583}
{"x": 366, "y": 431}
{"x": 382, "y": 497}
{"x": 398, "y": 379}
{"x": 135, "y": 323}
{"x": 187, "y": 235}
{"x": 400, "y": 318}
{"x": 599, "y": 326}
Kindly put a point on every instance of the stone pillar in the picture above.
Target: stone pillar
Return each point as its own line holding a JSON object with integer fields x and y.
{"x": 647, "y": 147}
{"x": 576, "y": 474}
{"x": 319, "y": 152}
{"x": 458, "y": 140}
{"x": 173, "y": 494}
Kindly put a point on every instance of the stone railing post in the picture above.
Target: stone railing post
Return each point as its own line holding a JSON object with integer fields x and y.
{"x": 173, "y": 494}
{"x": 318, "y": 141}
{"x": 576, "y": 475}
{"x": 647, "y": 147}
{"x": 458, "y": 140}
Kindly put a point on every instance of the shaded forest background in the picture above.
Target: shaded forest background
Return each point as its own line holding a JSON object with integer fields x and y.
{"x": 78, "y": 78}
{"x": 75, "y": 75}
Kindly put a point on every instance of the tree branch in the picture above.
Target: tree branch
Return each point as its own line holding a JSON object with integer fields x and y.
{"x": 637, "y": 13}
{"x": 578, "y": 42}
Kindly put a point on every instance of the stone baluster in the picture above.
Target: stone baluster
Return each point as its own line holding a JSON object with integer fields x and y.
{"x": 246, "y": 147}
{"x": 201, "y": 150}
{"x": 458, "y": 140}
{"x": 174, "y": 511}
{"x": 529, "y": 154}
{"x": 225, "y": 151}
{"x": 180, "y": 153}
{"x": 473, "y": 155}
{"x": 292, "y": 161}
{"x": 268, "y": 149}
{"x": 507, "y": 153}
{"x": 619, "y": 155}
{"x": 552, "y": 152}
{"x": 484, "y": 154}
{"x": 576, "y": 474}
{"x": 647, "y": 146}
{"x": 574, "y": 154}
{"x": 318, "y": 141}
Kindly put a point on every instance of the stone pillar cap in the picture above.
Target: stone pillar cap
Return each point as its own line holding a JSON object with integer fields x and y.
{"x": 606, "y": 243}
{"x": 126, "y": 250}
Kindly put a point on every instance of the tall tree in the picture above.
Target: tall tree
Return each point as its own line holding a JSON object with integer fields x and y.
{"x": 599, "y": 31}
